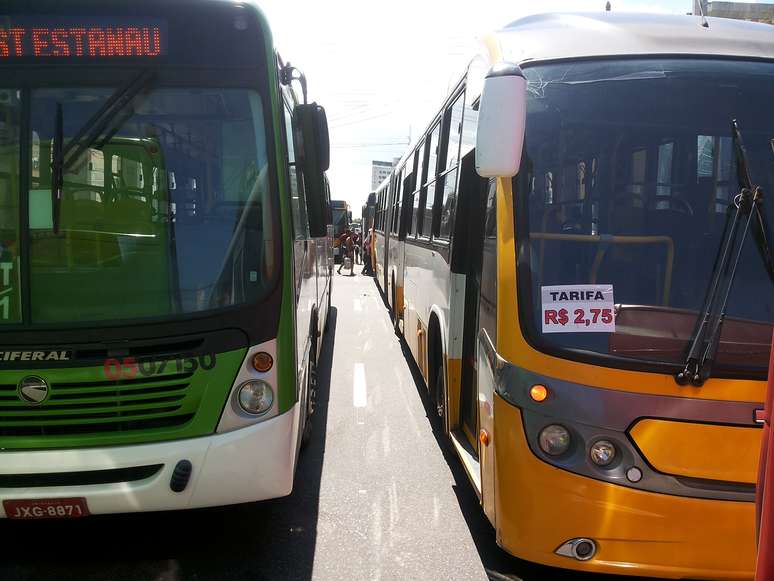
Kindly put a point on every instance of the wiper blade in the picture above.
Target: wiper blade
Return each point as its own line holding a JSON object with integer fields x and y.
{"x": 64, "y": 157}
{"x": 90, "y": 131}
{"x": 57, "y": 171}
{"x": 749, "y": 203}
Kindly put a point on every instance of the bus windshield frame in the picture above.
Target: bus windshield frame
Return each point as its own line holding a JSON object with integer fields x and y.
{"x": 627, "y": 170}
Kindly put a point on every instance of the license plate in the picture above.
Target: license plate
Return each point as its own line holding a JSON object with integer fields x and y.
{"x": 46, "y": 508}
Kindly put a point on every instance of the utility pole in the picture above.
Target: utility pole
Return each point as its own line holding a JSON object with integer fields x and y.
{"x": 699, "y": 7}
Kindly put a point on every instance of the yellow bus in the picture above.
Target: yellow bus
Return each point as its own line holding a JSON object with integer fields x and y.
{"x": 560, "y": 231}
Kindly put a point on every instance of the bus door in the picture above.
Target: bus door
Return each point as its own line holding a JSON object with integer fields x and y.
{"x": 473, "y": 256}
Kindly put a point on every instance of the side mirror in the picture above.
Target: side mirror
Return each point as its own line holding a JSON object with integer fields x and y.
{"x": 310, "y": 125}
{"x": 502, "y": 117}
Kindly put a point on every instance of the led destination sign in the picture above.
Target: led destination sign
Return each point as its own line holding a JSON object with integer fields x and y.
{"x": 57, "y": 38}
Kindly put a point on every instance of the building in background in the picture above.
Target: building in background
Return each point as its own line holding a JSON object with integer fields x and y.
{"x": 756, "y": 12}
{"x": 380, "y": 170}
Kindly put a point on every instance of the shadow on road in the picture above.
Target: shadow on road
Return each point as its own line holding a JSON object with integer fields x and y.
{"x": 260, "y": 541}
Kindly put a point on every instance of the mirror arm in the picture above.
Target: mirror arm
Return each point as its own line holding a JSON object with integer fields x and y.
{"x": 289, "y": 73}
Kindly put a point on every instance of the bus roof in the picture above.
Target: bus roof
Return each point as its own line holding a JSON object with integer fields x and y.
{"x": 565, "y": 36}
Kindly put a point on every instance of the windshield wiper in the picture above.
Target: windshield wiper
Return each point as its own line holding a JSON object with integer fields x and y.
{"x": 749, "y": 211}
{"x": 57, "y": 171}
{"x": 107, "y": 119}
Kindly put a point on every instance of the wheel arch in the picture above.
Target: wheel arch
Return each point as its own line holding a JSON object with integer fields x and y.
{"x": 437, "y": 349}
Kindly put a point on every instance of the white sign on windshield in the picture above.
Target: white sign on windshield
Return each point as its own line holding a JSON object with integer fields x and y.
{"x": 579, "y": 308}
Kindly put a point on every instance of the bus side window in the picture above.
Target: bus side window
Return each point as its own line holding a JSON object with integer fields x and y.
{"x": 398, "y": 199}
{"x": 433, "y": 157}
{"x": 405, "y": 204}
{"x": 381, "y": 210}
{"x": 487, "y": 310}
{"x": 416, "y": 216}
{"x": 448, "y": 181}
{"x": 297, "y": 198}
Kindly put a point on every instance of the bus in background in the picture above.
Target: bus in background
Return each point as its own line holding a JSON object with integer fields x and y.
{"x": 341, "y": 217}
{"x": 164, "y": 251}
{"x": 368, "y": 213}
{"x": 567, "y": 310}
{"x": 380, "y": 244}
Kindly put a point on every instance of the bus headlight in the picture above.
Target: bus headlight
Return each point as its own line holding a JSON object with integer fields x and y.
{"x": 602, "y": 452}
{"x": 256, "y": 397}
{"x": 554, "y": 440}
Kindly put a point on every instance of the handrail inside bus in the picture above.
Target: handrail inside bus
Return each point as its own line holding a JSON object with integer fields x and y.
{"x": 606, "y": 241}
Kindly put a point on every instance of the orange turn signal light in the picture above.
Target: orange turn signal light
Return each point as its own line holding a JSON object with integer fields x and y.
{"x": 483, "y": 437}
{"x": 262, "y": 362}
{"x": 538, "y": 392}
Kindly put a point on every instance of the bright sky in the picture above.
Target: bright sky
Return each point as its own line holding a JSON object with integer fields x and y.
{"x": 381, "y": 69}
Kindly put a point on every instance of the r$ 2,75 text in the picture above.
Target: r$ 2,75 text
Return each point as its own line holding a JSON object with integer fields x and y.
{"x": 578, "y": 317}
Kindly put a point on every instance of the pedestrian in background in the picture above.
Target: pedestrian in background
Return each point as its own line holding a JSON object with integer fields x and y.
{"x": 367, "y": 266}
{"x": 358, "y": 248}
{"x": 347, "y": 246}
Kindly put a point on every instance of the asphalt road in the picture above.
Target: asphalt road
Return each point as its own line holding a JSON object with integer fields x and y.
{"x": 377, "y": 494}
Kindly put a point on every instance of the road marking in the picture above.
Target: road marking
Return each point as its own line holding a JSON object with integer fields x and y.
{"x": 359, "y": 390}
{"x": 358, "y": 306}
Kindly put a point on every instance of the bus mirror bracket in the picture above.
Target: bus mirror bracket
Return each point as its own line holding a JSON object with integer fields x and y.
{"x": 310, "y": 127}
{"x": 501, "y": 122}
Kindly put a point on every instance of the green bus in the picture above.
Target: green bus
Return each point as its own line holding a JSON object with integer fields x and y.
{"x": 165, "y": 262}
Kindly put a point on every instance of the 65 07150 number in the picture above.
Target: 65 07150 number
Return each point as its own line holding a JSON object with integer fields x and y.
{"x": 131, "y": 367}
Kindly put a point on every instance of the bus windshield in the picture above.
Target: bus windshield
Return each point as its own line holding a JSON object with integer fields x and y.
{"x": 167, "y": 213}
{"x": 340, "y": 217}
{"x": 629, "y": 183}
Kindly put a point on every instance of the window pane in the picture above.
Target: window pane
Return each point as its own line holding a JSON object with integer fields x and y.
{"x": 433, "y": 157}
{"x": 714, "y": 165}
{"x": 490, "y": 226}
{"x": 449, "y": 205}
{"x": 455, "y": 127}
{"x": 10, "y": 291}
{"x": 705, "y": 156}
{"x": 664, "y": 178}
{"x": 427, "y": 219}
{"x": 179, "y": 220}
{"x": 297, "y": 198}
{"x": 420, "y": 165}
{"x": 414, "y": 214}
{"x": 469, "y": 124}
{"x": 398, "y": 199}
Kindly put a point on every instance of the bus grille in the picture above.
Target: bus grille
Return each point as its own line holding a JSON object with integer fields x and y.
{"x": 94, "y": 407}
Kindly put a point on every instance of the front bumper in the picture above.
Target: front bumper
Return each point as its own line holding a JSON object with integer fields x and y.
{"x": 245, "y": 465}
{"x": 637, "y": 532}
